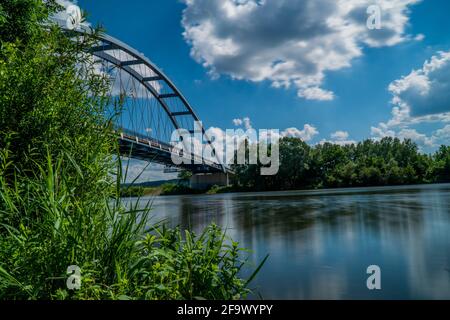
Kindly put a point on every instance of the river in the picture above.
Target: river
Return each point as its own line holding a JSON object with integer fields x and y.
{"x": 321, "y": 242}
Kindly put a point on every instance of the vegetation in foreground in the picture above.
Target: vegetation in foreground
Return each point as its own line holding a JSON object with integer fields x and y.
{"x": 60, "y": 187}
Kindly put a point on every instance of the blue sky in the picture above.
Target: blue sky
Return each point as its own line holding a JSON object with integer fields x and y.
{"x": 282, "y": 65}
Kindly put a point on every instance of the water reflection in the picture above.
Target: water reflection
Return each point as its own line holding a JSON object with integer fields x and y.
{"x": 321, "y": 242}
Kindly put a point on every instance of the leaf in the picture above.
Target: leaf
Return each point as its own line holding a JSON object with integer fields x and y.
{"x": 256, "y": 271}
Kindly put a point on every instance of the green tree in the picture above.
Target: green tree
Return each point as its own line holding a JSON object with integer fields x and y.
{"x": 368, "y": 163}
{"x": 440, "y": 171}
{"x": 50, "y": 98}
{"x": 185, "y": 176}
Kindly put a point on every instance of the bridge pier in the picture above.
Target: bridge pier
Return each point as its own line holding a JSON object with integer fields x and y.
{"x": 203, "y": 181}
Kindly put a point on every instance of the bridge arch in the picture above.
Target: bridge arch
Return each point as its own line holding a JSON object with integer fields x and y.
{"x": 159, "y": 88}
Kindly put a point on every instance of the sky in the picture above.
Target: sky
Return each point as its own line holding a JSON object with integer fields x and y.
{"x": 312, "y": 69}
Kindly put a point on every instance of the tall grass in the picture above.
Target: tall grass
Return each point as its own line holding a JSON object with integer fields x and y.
{"x": 46, "y": 227}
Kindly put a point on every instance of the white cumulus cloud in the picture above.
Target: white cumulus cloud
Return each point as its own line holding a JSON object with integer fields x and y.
{"x": 340, "y": 135}
{"x": 340, "y": 138}
{"x": 246, "y": 122}
{"x": 288, "y": 42}
{"x": 237, "y": 122}
{"x": 415, "y": 136}
{"x": 442, "y": 136}
{"x": 306, "y": 134}
{"x": 62, "y": 16}
{"x": 422, "y": 96}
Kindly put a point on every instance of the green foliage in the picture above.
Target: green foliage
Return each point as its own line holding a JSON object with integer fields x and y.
{"x": 170, "y": 189}
{"x": 173, "y": 267}
{"x": 368, "y": 163}
{"x": 129, "y": 192}
{"x": 48, "y": 102}
{"x": 60, "y": 187}
{"x": 440, "y": 170}
{"x": 177, "y": 189}
{"x": 47, "y": 228}
{"x": 185, "y": 175}
{"x": 214, "y": 189}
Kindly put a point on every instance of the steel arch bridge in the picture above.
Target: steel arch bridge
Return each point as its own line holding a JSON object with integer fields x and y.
{"x": 151, "y": 107}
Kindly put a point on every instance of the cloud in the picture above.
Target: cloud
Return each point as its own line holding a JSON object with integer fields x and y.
{"x": 422, "y": 96}
{"x": 415, "y": 136}
{"x": 383, "y": 131}
{"x": 288, "y": 42}
{"x": 245, "y": 121}
{"x": 144, "y": 172}
{"x": 316, "y": 93}
{"x": 307, "y": 134}
{"x": 62, "y": 17}
{"x": 423, "y": 93}
{"x": 444, "y": 132}
{"x": 237, "y": 122}
{"x": 339, "y": 138}
{"x": 442, "y": 136}
{"x": 419, "y": 37}
{"x": 340, "y": 135}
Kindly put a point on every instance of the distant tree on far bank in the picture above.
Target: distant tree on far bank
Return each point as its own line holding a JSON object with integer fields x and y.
{"x": 441, "y": 165}
{"x": 389, "y": 161}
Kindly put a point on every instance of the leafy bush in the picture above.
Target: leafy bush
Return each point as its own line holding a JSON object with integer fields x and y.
{"x": 130, "y": 192}
{"x": 46, "y": 227}
{"x": 222, "y": 189}
{"x": 177, "y": 189}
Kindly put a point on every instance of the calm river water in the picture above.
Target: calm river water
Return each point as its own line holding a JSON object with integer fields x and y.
{"x": 321, "y": 242}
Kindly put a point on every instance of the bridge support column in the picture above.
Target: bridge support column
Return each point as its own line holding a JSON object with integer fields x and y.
{"x": 203, "y": 181}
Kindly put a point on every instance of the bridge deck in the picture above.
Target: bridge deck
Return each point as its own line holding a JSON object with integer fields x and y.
{"x": 144, "y": 148}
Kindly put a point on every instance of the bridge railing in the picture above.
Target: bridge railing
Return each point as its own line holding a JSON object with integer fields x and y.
{"x": 154, "y": 143}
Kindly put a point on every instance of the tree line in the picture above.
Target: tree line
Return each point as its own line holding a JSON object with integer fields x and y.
{"x": 389, "y": 161}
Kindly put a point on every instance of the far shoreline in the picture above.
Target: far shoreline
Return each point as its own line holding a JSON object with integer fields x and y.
{"x": 157, "y": 192}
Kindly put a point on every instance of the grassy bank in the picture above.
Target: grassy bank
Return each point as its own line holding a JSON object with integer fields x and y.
{"x": 170, "y": 189}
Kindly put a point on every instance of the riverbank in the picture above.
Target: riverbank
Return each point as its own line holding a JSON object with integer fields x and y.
{"x": 170, "y": 189}
{"x": 179, "y": 190}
